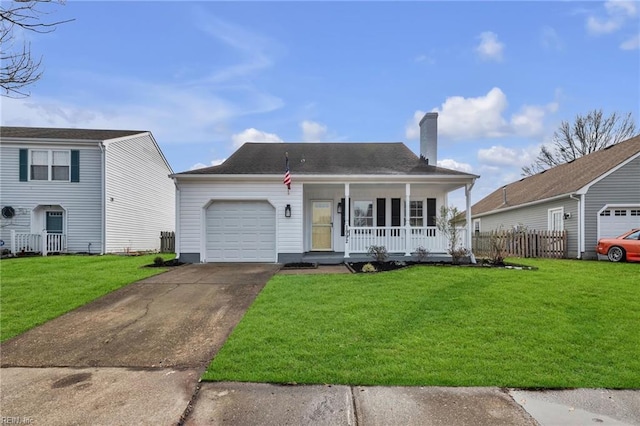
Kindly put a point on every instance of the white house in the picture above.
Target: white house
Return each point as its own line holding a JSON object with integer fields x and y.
{"x": 343, "y": 198}
{"x": 592, "y": 197}
{"x": 81, "y": 190}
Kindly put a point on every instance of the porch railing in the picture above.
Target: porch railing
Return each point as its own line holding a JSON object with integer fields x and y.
{"x": 399, "y": 239}
{"x": 44, "y": 243}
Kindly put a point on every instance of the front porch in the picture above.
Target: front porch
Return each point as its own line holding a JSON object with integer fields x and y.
{"x": 45, "y": 243}
{"x": 394, "y": 239}
{"x": 341, "y": 221}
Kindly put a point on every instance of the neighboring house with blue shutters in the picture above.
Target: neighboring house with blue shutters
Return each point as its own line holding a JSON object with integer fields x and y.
{"x": 83, "y": 190}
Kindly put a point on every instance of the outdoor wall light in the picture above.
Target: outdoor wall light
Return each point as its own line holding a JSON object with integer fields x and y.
{"x": 567, "y": 216}
{"x": 287, "y": 210}
{"x": 339, "y": 208}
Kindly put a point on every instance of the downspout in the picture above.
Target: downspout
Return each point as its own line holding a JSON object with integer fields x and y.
{"x": 103, "y": 197}
{"x": 176, "y": 219}
{"x": 467, "y": 193}
{"x": 580, "y": 224}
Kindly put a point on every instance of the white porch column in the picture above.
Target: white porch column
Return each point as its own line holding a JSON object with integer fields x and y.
{"x": 347, "y": 211}
{"x": 13, "y": 241}
{"x": 407, "y": 232}
{"x": 467, "y": 194}
{"x": 44, "y": 243}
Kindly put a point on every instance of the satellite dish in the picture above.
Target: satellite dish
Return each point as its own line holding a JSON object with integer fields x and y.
{"x": 8, "y": 212}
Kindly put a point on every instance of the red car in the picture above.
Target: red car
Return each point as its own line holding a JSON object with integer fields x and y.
{"x": 624, "y": 247}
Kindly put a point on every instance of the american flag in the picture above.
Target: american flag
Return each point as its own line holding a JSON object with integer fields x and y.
{"x": 287, "y": 175}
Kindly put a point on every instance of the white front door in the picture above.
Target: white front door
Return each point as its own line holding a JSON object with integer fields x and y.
{"x": 321, "y": 225}
{"x": 556, "y": 219}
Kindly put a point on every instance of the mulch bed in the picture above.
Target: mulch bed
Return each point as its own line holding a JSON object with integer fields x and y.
{"x": 356, "y": 267}
{"x": 300, "y": 265}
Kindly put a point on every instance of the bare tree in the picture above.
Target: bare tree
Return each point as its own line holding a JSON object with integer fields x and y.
{"x": 18, "y": 67}
{"x": 446, "y": 224}
{"x": 587, "y": 134}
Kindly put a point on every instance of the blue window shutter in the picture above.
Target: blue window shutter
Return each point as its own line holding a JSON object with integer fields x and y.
{"x": 24, "y": 165}
{"x": 75, "y": 165}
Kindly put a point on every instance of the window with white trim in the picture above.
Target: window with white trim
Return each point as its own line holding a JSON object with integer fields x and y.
{"x": 619, "y": 212}
{"x": 476, "y": 225}
{"x": 635, "y": 213}
{"x": 49, "y": 165}
{"x": 416, "y": 213}
{"x": 606, "y": 213}
{"x": 363, "y": 213}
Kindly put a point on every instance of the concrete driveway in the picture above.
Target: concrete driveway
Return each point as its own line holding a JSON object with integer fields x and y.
{"x": 136, "y": 353}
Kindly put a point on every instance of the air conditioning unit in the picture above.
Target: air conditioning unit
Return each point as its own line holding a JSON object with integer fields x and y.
{"x": 8, "y": 212}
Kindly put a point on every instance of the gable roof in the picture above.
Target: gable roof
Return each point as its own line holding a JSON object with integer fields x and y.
{"x": 326, "y": 159}
{"x": 64, "y": 133}
{"x": 560, "y": 180}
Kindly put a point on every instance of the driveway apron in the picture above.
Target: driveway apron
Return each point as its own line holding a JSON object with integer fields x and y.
{"x": 147, "y": 343}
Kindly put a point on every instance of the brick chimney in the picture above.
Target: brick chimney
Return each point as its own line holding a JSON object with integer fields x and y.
{"x": 429, "y": 138}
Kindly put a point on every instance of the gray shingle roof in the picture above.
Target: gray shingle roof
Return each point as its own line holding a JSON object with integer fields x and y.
{"x": 563, "y": 179}
{"x": 325, "y": 159}
{"x": 62, "y": 133}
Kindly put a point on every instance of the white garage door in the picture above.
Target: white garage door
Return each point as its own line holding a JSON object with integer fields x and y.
{"x": 615, "y": 221}
{"x": 241, "y": 231}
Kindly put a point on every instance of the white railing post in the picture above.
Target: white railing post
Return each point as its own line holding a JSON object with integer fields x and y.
{"x": 44, "y": 243}
{"x": 407, "y": 214}
{"x": 13, "y": 242}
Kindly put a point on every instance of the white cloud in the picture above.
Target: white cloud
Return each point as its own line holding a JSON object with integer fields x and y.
{"x": 632, "y": 43}
{"x": 213, "y": 163}
{"x": 617, "y": 12}
{"x": 490, "y": 48}
{"x": 313, "y": 131}
{"x": 483, "y": 117}
{"x": 448, "y": 163}
{"x": 499, "y": 155}
{"x": 254, "y": 135}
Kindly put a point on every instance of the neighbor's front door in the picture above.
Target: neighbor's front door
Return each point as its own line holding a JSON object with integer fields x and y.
{"x": 321, "y": 225}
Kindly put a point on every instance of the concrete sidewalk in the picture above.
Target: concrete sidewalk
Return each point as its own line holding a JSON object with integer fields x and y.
{"x": 267, "y": 404}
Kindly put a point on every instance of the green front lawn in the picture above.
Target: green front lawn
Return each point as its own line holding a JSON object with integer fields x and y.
{"x": 34, "y": 290}
{"x": 568, "y": 324}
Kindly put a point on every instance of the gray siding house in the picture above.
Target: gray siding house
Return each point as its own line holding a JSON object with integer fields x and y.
{"x": 595, "y": 196}
{"x": 343, "y": 198}
{"x": 81, "y": 190}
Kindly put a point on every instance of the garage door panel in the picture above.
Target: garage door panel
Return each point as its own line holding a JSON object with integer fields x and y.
{"x": 617, "y": 220}
{"x": 240, "y": 231}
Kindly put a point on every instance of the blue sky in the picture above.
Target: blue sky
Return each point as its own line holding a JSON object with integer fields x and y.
{"x": 204, "y": 77}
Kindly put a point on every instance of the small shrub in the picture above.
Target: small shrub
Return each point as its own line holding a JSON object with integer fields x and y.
{"x": 421, "y": 253}
{"x": 379, "y": 253}
{"x": 368, "y": 267}
{"x": 158, "y": 261}
{"x": 457, "y": 254}
{"x": 400, "y": 263}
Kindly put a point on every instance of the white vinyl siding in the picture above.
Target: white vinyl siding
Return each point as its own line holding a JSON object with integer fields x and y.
{"x": 139, "y": 195}
{"x": 80, "y": 200}
{"x": 195, "y": 196}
